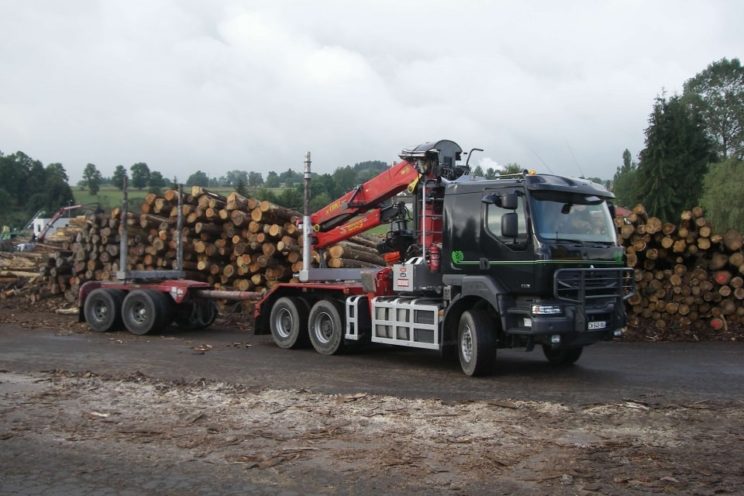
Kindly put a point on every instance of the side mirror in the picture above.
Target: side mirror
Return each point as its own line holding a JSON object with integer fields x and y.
{"x": 509, "y": 201}
{"x": 509, "y": 225}
{"x": 491, "y": 199}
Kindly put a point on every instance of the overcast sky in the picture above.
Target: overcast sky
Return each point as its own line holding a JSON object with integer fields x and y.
{"x": 219, "y": 85}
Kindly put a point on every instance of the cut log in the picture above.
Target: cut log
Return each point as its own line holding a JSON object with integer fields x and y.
{"x": 347, "y": 251}
{"x": 732, "y": 239}
{"x": 337, "y": 263}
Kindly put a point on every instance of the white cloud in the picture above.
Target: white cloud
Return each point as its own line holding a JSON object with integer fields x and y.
{"x": 253, "y": 85}
{"x": 489, "y": 163}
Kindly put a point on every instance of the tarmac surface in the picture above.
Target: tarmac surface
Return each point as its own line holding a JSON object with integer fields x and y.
{"x": 606, "y": 371}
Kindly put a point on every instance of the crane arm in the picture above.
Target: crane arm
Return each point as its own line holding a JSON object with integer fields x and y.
{"x": 365, "y": 197}
{"x": 59, "y": 213}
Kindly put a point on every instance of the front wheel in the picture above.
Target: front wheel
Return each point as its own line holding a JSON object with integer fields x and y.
{"x": 326, "y": 328}
{"x": 475, "y": 343}
{"x": 562, "y": 357}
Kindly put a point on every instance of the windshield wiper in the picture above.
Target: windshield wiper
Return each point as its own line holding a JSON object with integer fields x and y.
{"x": 566, "y": 240}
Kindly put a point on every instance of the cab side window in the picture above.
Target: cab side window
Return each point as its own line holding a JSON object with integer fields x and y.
{"x": 494, "y": 214}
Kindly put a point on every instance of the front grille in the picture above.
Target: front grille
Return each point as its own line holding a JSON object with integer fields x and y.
{"x": 581, "y": 285}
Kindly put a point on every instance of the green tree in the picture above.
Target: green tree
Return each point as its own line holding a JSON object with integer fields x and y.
{"x": 722, "y": 198}
{"x": 15, "y": 171}
{"x": 290, "y": 177}
{"x": 272, "y": 180}
{"x": 625, "y": 182}
{"x": 266, "y": 194}
{"x": 140, "y": 175}
{"x": 233, "y": 176}
{"x": 156, "y": 182}
{"x": 242, "y": 187}
{"x": 255, "y": 179}
{"x": 28, "y": 186}
{"x": 345, "y": 178}
{"x": 718, "y": 94}
{"x": 491, "y": 173}
{"x": 57, "y": 169}
{"x": 323, "y": 183}
{"x": 290, "y": 198}
{"x": 198, "y": 178}
{"x": 478, "y": 171}
{"x": 118, "y": 178}
{"x": 674, "y": 160}
{"x": 512, "y": 168}
{"x": 319, "y": 201}
{"x": 92, "y": 178}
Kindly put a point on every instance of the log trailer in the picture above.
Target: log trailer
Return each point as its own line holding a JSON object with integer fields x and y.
{"x": 145, "y": 301}
{"x": 523, "y": 260}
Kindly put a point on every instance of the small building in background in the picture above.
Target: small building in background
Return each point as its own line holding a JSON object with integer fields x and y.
{"x": 39, "y": 223}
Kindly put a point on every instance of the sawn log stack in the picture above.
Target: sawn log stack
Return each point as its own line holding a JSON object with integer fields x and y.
{"x": 232, "y": 242}
{"x": 689, "y": 278}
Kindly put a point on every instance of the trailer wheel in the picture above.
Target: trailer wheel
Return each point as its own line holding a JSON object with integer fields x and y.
{"x": 288, "y": 322}
{"x": 198, "y": 314}
{"x": 475, "y": 343}
{"x": 326, "y": 328}
{"x": 562, "y": 357}
{"x": 102, "y": 309}
{"x": 145, "y": 310}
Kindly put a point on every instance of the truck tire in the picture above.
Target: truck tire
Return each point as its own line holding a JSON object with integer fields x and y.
{"x": 326, "y": 327}
{"x": 194, "y": 315}
{"x": 288, "y": 322}
{"x": 475, "y": 343}
{"x": 145, "y": 310}
{"x": 562, "y": 357}
{"x": 102, "y": 309}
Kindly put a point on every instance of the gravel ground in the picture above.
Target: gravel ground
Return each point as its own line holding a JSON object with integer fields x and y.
{"x": 81, "y": 433}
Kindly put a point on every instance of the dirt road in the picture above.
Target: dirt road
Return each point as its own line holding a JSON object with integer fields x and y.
{"x": 228, "y": 413}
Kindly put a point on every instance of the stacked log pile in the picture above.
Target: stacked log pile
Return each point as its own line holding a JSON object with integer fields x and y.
{"x": 18, "y": 270}
{"x": 231, "y": 242}
{"x": 690, "y": 280}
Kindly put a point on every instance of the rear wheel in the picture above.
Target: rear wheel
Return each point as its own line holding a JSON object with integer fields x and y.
{"x": 326, "y": 328}
{"x": 288, "y": 322}
{"x": 476, "y": 344}
{"x": 562, "y": 357}
{"x": 145, "y": 310}
{"x": 102, "y": 309}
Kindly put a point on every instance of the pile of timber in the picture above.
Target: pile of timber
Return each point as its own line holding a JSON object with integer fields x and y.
{"x": 231, "y": 242}
{"x": 18, "y": 270}
{"x": 690, "y": 280}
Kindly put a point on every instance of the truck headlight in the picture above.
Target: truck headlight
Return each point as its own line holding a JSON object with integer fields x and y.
{"x": 546, "y": 309}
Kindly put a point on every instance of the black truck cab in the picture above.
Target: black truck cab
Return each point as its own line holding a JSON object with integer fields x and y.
{"x": 542, "y": 250}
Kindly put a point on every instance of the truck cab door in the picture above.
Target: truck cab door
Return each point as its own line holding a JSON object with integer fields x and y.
{"x": 506, "y": 256}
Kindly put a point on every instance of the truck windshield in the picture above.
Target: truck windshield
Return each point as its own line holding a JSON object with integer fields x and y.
{"x": 571, "y": 217}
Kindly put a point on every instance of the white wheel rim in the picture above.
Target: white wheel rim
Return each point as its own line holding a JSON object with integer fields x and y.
{"x": 139, "y": 313}
{"x": 283, "y": 323}
{"x": 323, "y": 327}
{"x": 466, "y": 344}
{"x": 100, "y": 311}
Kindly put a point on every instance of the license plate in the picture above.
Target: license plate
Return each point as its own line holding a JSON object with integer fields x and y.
{"x": 597, "y": 324}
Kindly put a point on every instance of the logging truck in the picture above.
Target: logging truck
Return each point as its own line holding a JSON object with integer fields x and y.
{"x": 473, "y": 265}
{"x": 523, "y": 260}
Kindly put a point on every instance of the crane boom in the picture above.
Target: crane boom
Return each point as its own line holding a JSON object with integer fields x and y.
{"x": 361, "y": 208}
